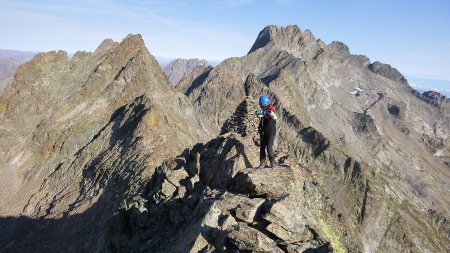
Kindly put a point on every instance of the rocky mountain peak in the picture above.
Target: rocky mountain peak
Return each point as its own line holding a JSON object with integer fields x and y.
{"x": 57, "y": 107}
{"x": 277, "y": 35}
{"x": 339, "y": 47}
{"x": 290, "y": 39}
{"x": 107, "y": 43}
{"x": 180, "y": 68}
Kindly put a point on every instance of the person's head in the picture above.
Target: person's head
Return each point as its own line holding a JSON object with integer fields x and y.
{"x": 264, "y": 101}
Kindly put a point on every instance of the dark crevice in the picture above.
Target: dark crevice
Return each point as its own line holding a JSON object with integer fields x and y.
{"x": 364, "y": 203}
{"x": 347, "y": 165}
{"x": 319, "y": 52}
{"x": 356, "y": 172}
{"x": 325, "y": 248}
{"x": 261, "y": 225}
{"x": 316, "y": 236}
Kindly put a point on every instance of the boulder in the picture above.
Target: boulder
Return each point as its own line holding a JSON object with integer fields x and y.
{"x": 247, "y": 238}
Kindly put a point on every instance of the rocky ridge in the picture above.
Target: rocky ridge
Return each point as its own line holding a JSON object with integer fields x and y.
{"x": 210, "y": 199}
{"x": 122, "y": 162}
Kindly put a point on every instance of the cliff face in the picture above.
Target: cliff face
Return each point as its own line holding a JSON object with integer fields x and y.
{"x": 101, "y": 154}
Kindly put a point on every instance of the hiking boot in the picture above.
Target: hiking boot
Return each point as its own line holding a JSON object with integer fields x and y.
{"x": 262, "y": 164}
{"x": 273, "y": 164}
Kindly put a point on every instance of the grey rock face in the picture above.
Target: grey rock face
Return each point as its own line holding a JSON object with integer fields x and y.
{"x": 387, "y": 71}
{"x": 254, "y": 182}
{"x": 193, "y": 79}
{"x": 179, "y": 68}
{"x": 10, "y": 61}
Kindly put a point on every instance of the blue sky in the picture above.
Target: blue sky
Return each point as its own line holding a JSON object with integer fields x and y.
{"x": 412, "y": 36}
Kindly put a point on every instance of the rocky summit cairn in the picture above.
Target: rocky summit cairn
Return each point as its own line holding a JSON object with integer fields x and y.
{"x": 102, "y": 154}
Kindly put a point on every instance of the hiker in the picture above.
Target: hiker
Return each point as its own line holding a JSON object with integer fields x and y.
{"x": 267, "y": 131}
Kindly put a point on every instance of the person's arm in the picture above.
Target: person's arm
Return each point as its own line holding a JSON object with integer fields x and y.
{"x": 260, "y": 113}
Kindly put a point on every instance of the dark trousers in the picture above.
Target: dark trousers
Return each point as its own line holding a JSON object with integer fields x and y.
{"x": 266, "y": 142}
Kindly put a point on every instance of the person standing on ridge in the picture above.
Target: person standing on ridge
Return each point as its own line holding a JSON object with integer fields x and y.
{"x": 267, "y": 130}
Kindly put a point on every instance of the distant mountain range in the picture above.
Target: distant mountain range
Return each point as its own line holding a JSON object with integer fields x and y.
{"x": 430, "y": 83}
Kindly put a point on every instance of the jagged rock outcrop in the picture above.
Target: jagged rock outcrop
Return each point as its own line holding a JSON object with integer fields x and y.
{"x": 179, "y": 68}
{"x": 387, "y": 71}
{"x": 433, "y": 97}
{"x": 10, "y": 61}
{"x": 78, "y": 139}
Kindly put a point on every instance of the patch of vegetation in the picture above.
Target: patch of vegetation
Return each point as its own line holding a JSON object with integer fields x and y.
{"x": 316, "y": 205}
{"x": 363, "y": 123}
{"x": 333, "y": 237}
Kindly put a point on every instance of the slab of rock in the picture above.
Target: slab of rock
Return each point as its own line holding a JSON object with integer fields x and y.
{"x": 270, "y": 183}
{"x": 247, "y": 238}
{"x": 249, "y": 209}
{"x": 288, "y": 220}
